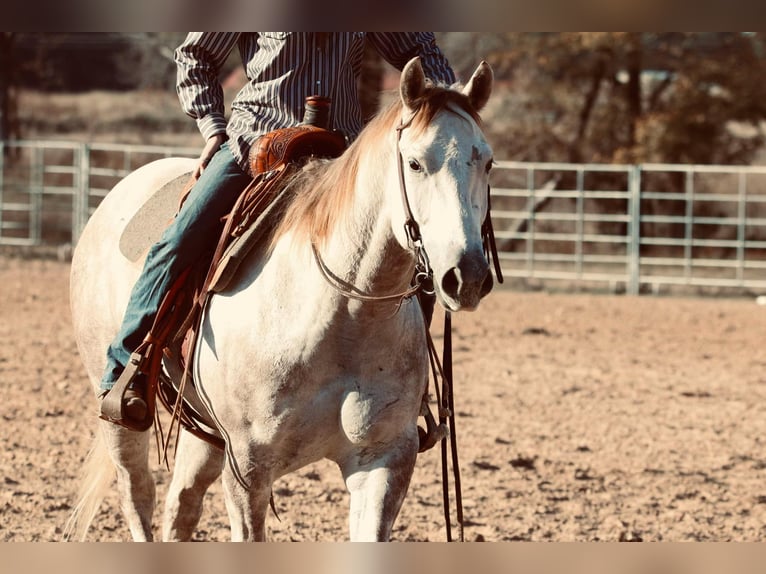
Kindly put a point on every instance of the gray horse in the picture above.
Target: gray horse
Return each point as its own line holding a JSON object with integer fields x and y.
{"x": 297, "y": 367}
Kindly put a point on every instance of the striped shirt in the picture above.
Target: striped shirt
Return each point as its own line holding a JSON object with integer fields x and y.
{"x": 283, "y": 68}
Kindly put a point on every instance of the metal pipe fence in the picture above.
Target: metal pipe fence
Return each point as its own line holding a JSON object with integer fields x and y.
{"x": 633, "y": 227}
{"x": 49, "y": 189}
{"x": 626, "y": 228}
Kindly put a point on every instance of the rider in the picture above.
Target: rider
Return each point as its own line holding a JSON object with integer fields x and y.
{"x": 283, "y": 68}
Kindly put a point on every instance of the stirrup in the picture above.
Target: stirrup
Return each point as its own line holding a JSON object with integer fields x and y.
{"x": 115, "y": 405}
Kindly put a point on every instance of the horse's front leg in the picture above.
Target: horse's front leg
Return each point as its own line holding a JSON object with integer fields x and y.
{"x": 246, "y": 504}
{"x": 197, "y": 465}
{"x": 378, "y": 484}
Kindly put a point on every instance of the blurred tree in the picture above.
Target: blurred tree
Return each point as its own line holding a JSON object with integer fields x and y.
{"x": 625, "y": 98}
{"x": 631, "y": 97}
{"x": 9, "y": 126}
{"x": 78, "y": 62}
{"x": 153, "y": 63}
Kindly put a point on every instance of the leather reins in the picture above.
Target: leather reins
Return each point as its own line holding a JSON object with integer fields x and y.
{"x": 351, "y": 292}
{"x": 444, "y": 371}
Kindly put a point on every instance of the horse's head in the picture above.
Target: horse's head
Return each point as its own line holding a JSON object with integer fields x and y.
{"x": 445, "y": 169}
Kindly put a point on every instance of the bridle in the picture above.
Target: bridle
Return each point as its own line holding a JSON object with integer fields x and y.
{"x": 422, "y": 280}
{"x": 423, "y": 271}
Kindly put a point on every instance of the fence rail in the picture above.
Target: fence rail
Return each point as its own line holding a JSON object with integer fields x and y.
{"x": 48, "y": 190}
{"x": 624, "y": 227}
{"x": 633, "y": 227}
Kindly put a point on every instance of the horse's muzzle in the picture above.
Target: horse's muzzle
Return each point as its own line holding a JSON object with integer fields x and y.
{"x": 466, "y": 284}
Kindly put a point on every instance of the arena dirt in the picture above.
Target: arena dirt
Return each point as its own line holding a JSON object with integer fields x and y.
{"x": 580, "y": 418}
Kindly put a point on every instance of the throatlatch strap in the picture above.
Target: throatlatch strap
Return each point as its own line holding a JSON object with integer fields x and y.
{"x": 488, "y": 235}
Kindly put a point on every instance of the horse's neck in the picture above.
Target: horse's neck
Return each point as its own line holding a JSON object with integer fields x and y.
{"x": 362, "y": 249}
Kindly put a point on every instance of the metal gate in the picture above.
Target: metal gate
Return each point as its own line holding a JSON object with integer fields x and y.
{"x": 631, "y": 228}
{"x": 48, "y": 190}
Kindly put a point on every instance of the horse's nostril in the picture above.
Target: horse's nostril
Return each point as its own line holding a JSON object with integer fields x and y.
{"x": 451, "y": 282}
{"x": 467, "y": 283}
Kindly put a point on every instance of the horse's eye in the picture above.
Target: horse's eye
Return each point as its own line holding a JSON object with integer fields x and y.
{"x": 490, "y": 163}
{"x": 414, "y": 165}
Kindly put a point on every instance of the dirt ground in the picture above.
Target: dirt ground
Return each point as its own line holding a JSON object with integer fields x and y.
{"x": 580, "y": 418}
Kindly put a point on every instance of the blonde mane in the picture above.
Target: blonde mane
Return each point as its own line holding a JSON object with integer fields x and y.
{"x": 323, "y": 191}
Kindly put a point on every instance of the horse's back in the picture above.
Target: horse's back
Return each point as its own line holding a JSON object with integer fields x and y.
{"x": 102, "y": 275}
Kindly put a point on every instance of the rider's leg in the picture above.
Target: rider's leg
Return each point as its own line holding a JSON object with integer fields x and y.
{"x": 189, "y": 240}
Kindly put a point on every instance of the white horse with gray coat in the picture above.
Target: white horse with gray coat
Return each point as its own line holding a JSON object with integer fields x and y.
{"x": 294, "y": 369}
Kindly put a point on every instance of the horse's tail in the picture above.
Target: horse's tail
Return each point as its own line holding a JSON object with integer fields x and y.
{"x": 97, "y": 475}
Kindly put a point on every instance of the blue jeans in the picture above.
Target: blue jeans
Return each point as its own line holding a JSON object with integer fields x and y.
{"x": 189, "y": 240}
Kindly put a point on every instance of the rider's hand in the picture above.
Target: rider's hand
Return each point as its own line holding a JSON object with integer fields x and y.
{"x": 211, "y": 146}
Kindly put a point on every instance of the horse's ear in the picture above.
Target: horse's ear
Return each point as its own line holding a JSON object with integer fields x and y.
{"x": 413, "y": 83}
{"x": 479, "y": 87}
